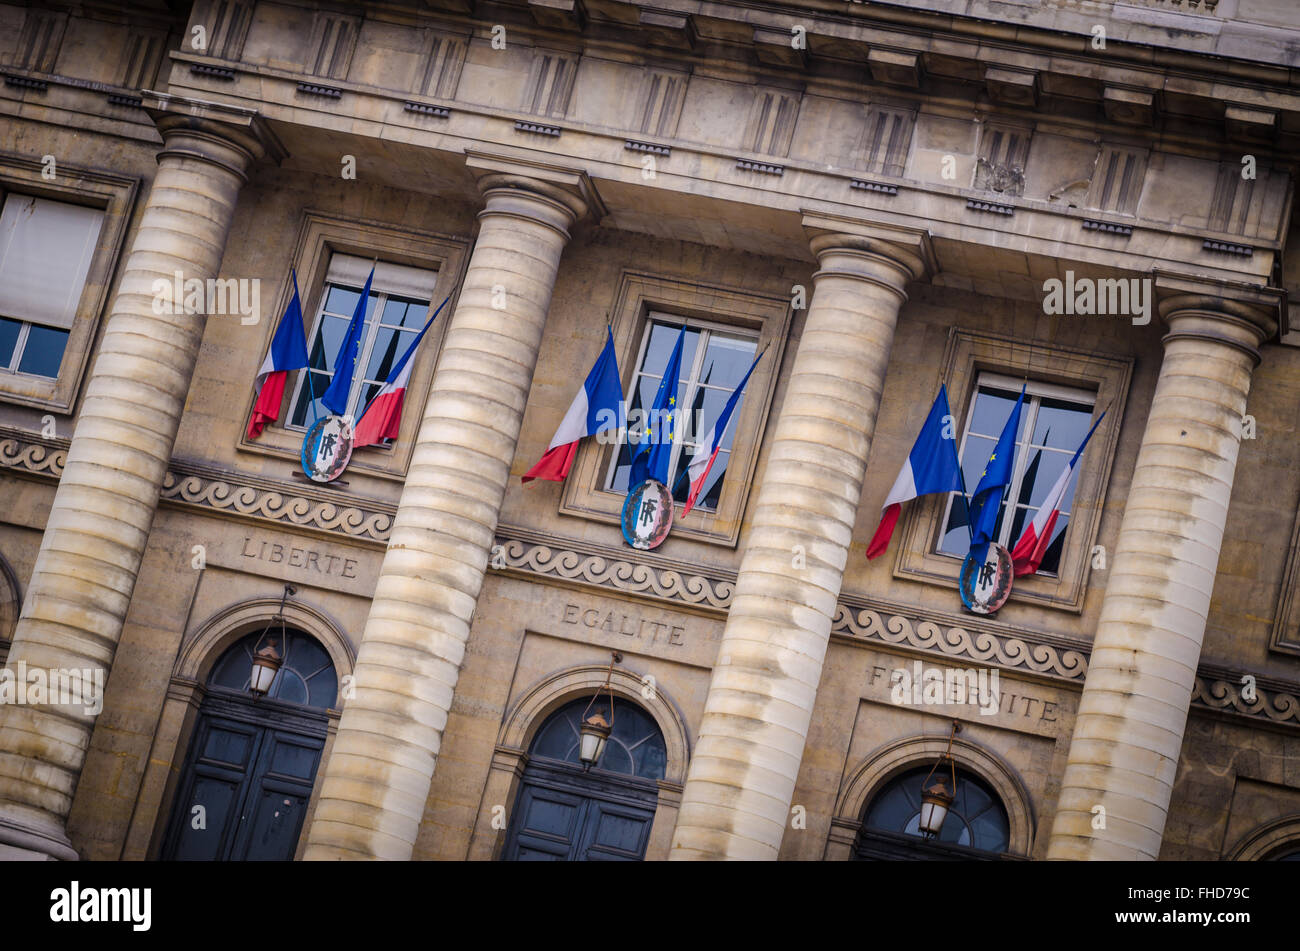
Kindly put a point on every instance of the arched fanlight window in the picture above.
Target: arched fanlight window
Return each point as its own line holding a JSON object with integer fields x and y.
{"x": 976, "y": 821}
{"x": 635, "y": 748}
{"x": 306, "y": 675}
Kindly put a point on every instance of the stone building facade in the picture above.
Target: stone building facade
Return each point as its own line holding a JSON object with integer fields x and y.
{"x": 876, "y": 196}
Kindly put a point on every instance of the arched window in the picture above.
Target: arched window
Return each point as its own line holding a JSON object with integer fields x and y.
{"x": 976, "y": 825}
{"x": 568, "y": 814}
{"x": 306, "y": 675}
{"x": 635, "y": 748}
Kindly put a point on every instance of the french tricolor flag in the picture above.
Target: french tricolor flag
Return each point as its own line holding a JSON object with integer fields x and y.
{"x": 705, "y": 456}
{"x": 288, "y": 352}
{"x": 594, "y": 410}
{"x": 382, "y": 417}
{"x": 930, "y": 467}
{"x": 1033, "y": 544}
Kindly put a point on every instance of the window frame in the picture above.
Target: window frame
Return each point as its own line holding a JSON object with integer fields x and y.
{"x": 638, "y": 295}
{"x": 968, "y": 354}
{"x": 1035, "y": 392}
{"x": 693, "y": 385}
{"x": 320, "y": 236}
{"x": 364, "y": 349}
{"x": 115, "y": 196}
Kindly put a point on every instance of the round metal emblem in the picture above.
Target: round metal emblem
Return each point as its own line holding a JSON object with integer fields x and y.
{"x": 327, "y": 448}
{"x": 985, "y": 582}
{"x": 647, "y": 515}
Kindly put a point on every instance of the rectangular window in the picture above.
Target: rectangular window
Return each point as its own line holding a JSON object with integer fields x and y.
{"x": 395, "y": 313}
{"x": 714, "y": 360}
{"x": 46, "y": 249}
{"x": 1055, "y": 419}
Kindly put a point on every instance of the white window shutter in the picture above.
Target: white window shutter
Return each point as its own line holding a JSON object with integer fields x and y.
{"x": 45, "y": 252}
{"x": 396, "y": 279}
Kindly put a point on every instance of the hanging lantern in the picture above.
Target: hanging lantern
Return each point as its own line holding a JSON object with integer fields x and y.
{"x": 266, "y": 663}
{"x": 935, "y": 803}
{"x": 594, "y": 734}
{"x": 267, "y": 660}
{"x": 595, "y": 730}
{"x": 937, "y": 797}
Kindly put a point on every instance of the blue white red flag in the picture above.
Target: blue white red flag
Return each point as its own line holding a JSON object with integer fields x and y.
{"x": 288, "y": 352}
{"x": 594, "y": 410}
{"x": 1033, "y": 543}
{"x": 930, "y": 467}
{"x": 707, "y": 452}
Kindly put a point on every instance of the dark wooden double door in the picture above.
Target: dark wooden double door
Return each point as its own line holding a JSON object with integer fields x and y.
{"x": 247, "y": 781}
{"x": 565, "y": 815}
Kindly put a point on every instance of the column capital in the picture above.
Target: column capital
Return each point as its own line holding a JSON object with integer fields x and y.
{"x": 883, "y": 253}
{"x": 231, "y": 137}
{"x": 554, "y": 194}
{"x": 1238, "y": 315}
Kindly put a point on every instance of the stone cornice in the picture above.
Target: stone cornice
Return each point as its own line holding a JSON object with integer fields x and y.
{"x": 709, "y": 174}
{"x": 535, "y": 556}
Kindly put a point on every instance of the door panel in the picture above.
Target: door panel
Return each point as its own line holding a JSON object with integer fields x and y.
{"x": 553, "y": 824}
{"x": 616, "y": 833}
{"x": 277, "y": 799}
{"x": 253, "y": 781}
{"x": 544, "y": 827}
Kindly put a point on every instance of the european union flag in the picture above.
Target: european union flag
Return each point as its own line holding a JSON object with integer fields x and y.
{"x": 656, "y": 449}
{"x": 335, "y": 398}
{"x": 987, "y": 499}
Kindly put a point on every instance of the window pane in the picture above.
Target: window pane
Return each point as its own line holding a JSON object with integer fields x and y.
{"x": 341, "y": 300}
{"x": 329, "y": 337}
{"x": 389, "y": 345}
{"x": 399, "y": 312}
{"x": 8, "y": 337}
{"x": 992, "y": 410}
{"x": 1040, "y": 476}
{"x": 975, "y": 456}
{"x": 726, "y": 359}
{"x": 706, "y": 407}
{"x": 1066, "y": 422}
{"x": 302, "y": 414}
{"x": 43, "y": 351}
{"x": 660, "y": 348}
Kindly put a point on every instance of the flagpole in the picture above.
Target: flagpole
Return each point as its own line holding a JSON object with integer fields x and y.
{"x": 311, "y": 385}
{"x": 427, "y": 325}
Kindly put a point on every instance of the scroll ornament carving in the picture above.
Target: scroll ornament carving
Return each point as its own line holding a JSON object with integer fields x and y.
{"x": 32, "y": 457}
{"x": 621, "y": 575}
{"x": 294, "y": 510}
{"x": 1008, "y": 652}
{"x": 1223, "y": 695}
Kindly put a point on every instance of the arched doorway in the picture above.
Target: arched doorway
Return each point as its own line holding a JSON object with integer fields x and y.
{"x": 252, "y": 761}
{"x": 976, "y": 827}
{"x": 566, "y": 813}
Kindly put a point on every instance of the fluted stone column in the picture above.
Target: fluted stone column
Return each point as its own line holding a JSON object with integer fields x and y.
{"x": 738, "y": 790}
{"x": 1129, "y": 730}
{"x": 377, "y": 779}
{"x": 99, "y": 522}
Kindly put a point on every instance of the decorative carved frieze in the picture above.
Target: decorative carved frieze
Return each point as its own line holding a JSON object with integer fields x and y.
{"x": 995, "y": 650}
{"x": 1275, "y": 705}
{"x": 370, "y": 520}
